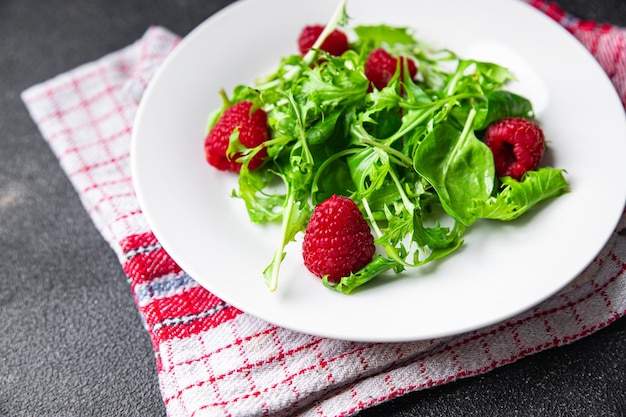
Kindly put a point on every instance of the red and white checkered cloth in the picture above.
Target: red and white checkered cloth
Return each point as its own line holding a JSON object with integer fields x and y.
{"x": 213, "y": 359}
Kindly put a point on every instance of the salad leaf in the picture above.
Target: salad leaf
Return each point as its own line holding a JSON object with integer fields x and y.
{"x": 517, "y": 197}
{"x": 370, "y": 37}
{"x": 459, "y": 166}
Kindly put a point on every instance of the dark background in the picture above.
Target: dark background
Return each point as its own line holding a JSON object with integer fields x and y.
{"x": 71, "y": 340}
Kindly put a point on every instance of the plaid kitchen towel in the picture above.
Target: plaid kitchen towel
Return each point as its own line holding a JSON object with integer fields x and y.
{"x": 213, "y": 359}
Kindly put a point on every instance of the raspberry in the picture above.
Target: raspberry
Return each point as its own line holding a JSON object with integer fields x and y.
{"x": 380, "y": 67}
{"x": 252, "y": 129}
{"x": 335, "y": 44}
{"x": 517, "y": 144}
{"x": 337, "y": 239}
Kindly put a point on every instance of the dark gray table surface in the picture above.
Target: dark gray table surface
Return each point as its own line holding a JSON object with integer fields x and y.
{"x": 71, "y": 340}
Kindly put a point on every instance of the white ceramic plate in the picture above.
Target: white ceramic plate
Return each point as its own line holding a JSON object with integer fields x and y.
{"x": 502, "y": 270}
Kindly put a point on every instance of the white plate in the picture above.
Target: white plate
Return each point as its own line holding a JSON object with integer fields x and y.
{"x": 502, "y": 269}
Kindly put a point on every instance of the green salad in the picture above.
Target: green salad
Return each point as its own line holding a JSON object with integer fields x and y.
{"x": 411, "y": 154}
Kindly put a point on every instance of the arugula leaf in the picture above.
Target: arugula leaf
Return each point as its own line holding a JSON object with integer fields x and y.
{"x": 375, "y": 268}
{"x": 253, "y": 189}
{"x": 368, "y": 168}
{"x": 295, "y": 215}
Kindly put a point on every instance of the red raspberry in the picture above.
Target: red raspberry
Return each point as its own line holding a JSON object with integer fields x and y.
{"x": 517, "y": 144}
{"x": 253, "y": 131}
{"x": 337, "y": 239}
{"x": 381, "y": 66}
{"x": 335, "y": 44}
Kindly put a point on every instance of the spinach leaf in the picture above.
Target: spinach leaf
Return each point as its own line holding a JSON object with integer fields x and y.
{"x": 460, "y": 168}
